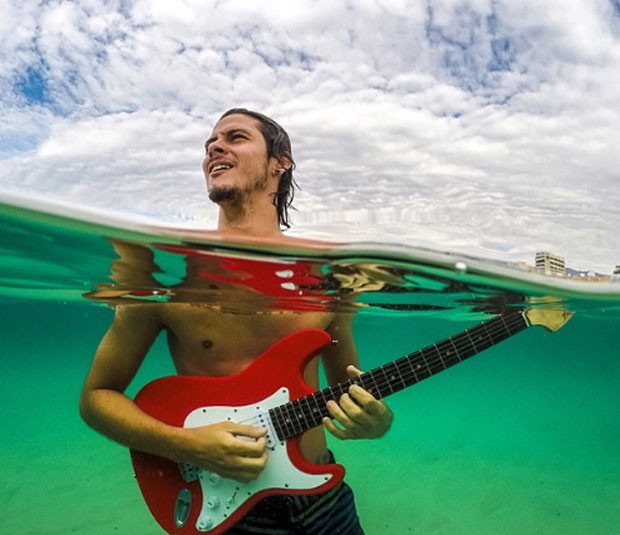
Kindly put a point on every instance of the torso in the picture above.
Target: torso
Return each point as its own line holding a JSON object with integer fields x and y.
{"x": 229, "y": 309}
{"x": 207, "y": 341}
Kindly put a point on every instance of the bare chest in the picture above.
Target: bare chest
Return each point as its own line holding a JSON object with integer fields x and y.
{"x": 207, "y": 341}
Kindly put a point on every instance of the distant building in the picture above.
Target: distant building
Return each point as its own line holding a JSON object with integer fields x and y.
{"x": 616, "y": 275}
{"x": 550, "y": 264}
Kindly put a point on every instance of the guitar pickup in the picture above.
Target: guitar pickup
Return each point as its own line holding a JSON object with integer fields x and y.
{"x": 265, "y": 421}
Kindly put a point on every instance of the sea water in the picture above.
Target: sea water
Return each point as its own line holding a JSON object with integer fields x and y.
{"x": 522, "y": 438}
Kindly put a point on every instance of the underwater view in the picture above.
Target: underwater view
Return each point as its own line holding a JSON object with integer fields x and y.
{"x": 520, "y": 435}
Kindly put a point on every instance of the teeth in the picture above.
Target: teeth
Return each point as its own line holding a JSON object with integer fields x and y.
{"x": 220, "y": 167}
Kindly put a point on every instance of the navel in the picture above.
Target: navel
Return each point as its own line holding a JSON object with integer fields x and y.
{"x": 207, "y": 344}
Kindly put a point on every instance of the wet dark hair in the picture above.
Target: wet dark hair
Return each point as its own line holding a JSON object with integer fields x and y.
{"x": 279, "y": 147}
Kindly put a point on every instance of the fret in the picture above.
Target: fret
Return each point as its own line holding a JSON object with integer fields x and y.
{"x": 318, "y": 411}
{"x": 438, "y": 351}
{"x": 370, "y": 384}
{"x": 456, "y": 350}
{"x": 406, "y": 373}
{"x": 425, "y": 360}
{"x": 394, "y": 378}
{"x": 447, "y": 354}
{"x": 513, "y": 329}
{"x": 471, "y": 342}
{"x": 384, "y": 380}
{"x": 451, "y": 355}
{"x": 338, "y": 390}
{"x": 435, "y": 359}
{"x": 506, "y": 325}
{"x": 496, "y": 332}
{"x": 480, "y": 338}
{"x": 276, "y": 421}
{"x": 291, "y": 419}
{"x": 308, "y": 409}
{"x": 284, "y": 428}
{"x": 422, "y": 372}
{"x": 409, "y": 361}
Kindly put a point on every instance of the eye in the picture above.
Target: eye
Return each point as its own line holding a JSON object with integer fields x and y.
{"x": 236, "y": 136}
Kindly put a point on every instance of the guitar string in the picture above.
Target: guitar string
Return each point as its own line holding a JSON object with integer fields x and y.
{"x": 291, "y": 418}
{"x": 295, "y": 421}
{"x": 471, "y": 341}
{"x": 485, "y": 334}
{"x": 438, "y": 357}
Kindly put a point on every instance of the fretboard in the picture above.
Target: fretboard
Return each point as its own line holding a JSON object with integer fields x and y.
{"x": 299, "y": 415}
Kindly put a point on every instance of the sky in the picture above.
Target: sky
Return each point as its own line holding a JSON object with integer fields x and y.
{"x": 486, "y": 127}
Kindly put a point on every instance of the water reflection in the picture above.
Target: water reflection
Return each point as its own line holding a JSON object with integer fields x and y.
{"x": 246, "y": 281}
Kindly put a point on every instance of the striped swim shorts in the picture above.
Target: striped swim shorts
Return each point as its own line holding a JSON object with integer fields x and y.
{"x": 330, "y": 513}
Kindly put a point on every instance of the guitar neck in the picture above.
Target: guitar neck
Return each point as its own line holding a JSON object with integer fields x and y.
{"x": 297, "y": 416}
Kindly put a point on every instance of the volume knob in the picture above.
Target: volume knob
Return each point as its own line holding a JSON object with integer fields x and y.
{"x": 214, "y": 479}
{"x": 205, "y": 523}
{"x": 212, "y": 502}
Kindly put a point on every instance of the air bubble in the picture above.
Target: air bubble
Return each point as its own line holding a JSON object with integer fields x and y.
{"x": 460, "y": 266}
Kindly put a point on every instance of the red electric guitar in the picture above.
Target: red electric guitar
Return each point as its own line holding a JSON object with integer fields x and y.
{"x": 187, "y": 500}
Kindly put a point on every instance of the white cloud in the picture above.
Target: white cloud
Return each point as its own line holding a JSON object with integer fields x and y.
{"x": 486, "y": 126}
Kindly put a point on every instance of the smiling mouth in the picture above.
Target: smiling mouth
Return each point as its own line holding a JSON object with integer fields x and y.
{"x": 219, "y": 168}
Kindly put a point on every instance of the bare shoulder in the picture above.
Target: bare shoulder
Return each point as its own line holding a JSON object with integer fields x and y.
{"x": 132, "y": 321}
{"x": 131, "y": 311}
{"x": 309, "y": 243}
{"x": 276, "y": 240}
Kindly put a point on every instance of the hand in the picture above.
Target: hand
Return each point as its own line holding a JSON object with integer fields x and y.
{"x": 358, "y": 413}
{"x": 231, "y": 450}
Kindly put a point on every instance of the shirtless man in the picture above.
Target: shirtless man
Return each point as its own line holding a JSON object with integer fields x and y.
{"x": 248, "y": 169}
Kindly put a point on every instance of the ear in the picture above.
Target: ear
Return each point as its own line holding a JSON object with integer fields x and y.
{"x": 280, "y": 166}
{"x": 283, "y": 164}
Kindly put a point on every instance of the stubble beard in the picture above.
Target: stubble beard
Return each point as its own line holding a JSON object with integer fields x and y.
{"x": 237, "y": 197}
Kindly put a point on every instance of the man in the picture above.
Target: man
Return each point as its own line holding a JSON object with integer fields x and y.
{"x": 248, "y": 168}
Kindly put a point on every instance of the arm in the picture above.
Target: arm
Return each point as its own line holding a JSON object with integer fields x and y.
{"x": 105, "y": 407}
{"x": 358, "y": 413}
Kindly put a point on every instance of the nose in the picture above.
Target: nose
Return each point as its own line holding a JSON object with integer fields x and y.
{"x": 215, "y": 147}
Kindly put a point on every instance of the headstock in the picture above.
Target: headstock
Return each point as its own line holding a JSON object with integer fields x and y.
{"x": 552, "y": 319}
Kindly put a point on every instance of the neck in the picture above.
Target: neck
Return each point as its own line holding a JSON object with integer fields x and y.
{"x": 248, "y": 220}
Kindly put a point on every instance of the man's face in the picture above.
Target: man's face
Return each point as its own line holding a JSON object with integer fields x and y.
{"x": 235, "y": 163}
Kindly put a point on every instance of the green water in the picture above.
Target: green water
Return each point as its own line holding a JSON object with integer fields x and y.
{"x": 523, "y": 438}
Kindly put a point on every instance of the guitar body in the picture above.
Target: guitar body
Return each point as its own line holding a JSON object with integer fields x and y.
{"x": 188, "y": 500}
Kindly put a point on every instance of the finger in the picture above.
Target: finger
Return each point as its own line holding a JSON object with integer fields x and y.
{"x": 250, "y": 447}
{"x": 340, "y": 411}
{"x": 353, "y": 372}
{"x": 365, "y": 400}
{"x": 361, "y": 396}
{"x": 351, "y": 419}
{"x": 334, "y": 430}
{"x": 359, "y": 409}
{"x": 243, "y": 468}
{"x": 251, "y": 431}
{"x": 243, "y": 472}
{"x": 253, "y": 463}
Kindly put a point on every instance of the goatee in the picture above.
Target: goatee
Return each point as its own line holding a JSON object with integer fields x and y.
{"x": 225, "y": 195}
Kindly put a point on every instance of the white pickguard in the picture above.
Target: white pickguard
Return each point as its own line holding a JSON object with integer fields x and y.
{"x": 222, "y": 497}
